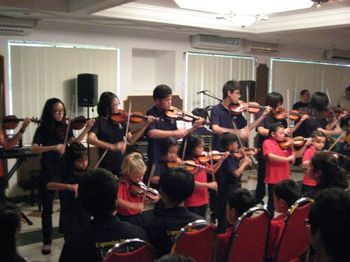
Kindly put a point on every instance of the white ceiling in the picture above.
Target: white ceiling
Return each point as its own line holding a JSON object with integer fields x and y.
{"x": 324, "y": 28}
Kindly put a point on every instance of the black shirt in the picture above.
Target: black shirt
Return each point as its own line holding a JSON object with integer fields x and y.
{"x": 92, "y": 244}
{"x": 267, "y": 122}
{"x": 73, "y": 215}
{"x": 222, "y": 117}
{"x": 166, "y": 123}
{"x": 310, "y": 125}
{"x": 52, "y": 163}
{"x": 110, "y": 132}
{"x": 299, "y": 105}
{"x": 163, "y": 229}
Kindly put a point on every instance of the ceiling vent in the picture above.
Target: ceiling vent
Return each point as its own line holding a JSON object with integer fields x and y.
{"x": 212, "y": 42}
{"x": 16, "y": 27}
{"x": 261, "y": 48}
{"x": 335, "y": 54}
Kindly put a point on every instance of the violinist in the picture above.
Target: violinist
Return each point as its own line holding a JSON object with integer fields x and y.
{"x": 8, "y": 143}
{"x": 277, "y": 161}
{"x": 275, "y": 101}
{"x": 304, "y": 100}
{"x": 317, "y": 121}
{"x": 131, "y": 198}
{"x": 222, "y": 119}
{"x": 109, "y": 135}
{"x": 49, "y": 140}
{"x": 199, "y": 200}
{"x": 318, "y": 140}
{"x": 162, "y": 96}
{"x": 228, "y": 176}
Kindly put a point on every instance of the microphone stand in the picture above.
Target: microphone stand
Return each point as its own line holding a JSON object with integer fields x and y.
{"x": 210, "y": 95}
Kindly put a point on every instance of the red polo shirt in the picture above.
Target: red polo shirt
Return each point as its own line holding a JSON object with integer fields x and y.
{"x": 308, "y": 154}
{"x": 200, "y": 194}
{"x": 275, "y": 170}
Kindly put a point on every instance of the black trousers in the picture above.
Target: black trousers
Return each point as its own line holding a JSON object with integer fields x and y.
{"x": 270, "y": 203}
{"x": 260, "y": 186}
{"x": 47, "y": 197}
{"x": 199, "y": 210}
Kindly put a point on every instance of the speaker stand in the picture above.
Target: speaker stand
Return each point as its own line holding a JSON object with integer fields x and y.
{"x": 88, "y": 144}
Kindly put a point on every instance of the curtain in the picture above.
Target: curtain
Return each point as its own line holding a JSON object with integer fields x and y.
{"x": 42, "y": 72}
{"x": 295, "y": 76}
{"x": 211, "y": 72}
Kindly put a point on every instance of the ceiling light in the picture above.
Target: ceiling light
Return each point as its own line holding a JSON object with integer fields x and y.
{"x": 250, "y": 10}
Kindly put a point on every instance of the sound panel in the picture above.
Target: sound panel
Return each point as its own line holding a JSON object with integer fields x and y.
{"x": 251, "y": 89}
{"x": 87, "y": 88}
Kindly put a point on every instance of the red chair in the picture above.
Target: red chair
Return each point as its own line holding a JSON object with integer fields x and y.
{"x": 295, "y": 235}
{"x": 197, "y": 240}
{"x": 248, "y": 241}
{"x": 131, "y": 250}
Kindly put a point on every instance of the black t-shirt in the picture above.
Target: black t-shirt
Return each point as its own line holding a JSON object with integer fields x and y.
{"x": 73, "y": 215}
{"x": 110, "y": 132}
{"x": 92, "y": 244}
{"x": 162, "y": 230}
{"x": 222, "y": 117}
{"x": 52, "y": 163}
{"x": 225, "y": 175}
{"x": 310, "y": 125}
{"x": 299, "y": 105}
{"x": 267, "y": 122}
{"x": 166, "y": 123}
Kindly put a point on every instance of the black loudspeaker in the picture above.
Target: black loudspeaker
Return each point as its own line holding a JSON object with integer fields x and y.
{"x": 87, "y": 89}
{"x": 251, "y": 89}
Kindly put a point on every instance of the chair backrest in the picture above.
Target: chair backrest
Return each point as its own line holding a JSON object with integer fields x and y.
{"x": 294, "y": 240}
{"x": 197, "y": 240}
{"x": 248, "y": 242}
{"x": 131, "y": 250}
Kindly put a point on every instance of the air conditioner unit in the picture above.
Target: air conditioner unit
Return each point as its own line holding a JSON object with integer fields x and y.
{"x": 17, "y": 27}
{"x": 213, "y": 42}
{"x": 252, "y": 47}
{"x": 337, "y": 54}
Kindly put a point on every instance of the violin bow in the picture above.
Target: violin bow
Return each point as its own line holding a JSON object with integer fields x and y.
{"x": 127, "y": 124}
{"x": 212, "y": 165}
{"x": 336, "y": 142}
{"x": 240, "y": 142}
{"x": 69, "y": 120}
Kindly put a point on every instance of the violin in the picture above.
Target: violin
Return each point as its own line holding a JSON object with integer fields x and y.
{"x": 141, "y": 189}
{"x": 11, "y": 121}
{"x": 297, "y": 141}
{"x": 122, "y": 116}
{"x": 79, "y": 122}
{"x": 178, "y": 114}
{"x": 213, "y": 155}
{"x": 294, "y": 115}
{"x": 251, "y": 107}
{"x": 189, "y": 165}
{"x": 242, "y": 152}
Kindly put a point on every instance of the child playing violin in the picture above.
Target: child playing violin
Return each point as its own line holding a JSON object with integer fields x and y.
{"x": 49, "y": 140}
{"x": 229, "y": 176}
{"x": 318, "y": 140}
{"x": 169, "y": 153}
{"x": 131, "y": 197}
{"x": 73, "y": 216}
{"x": 109, "y": 135}
{"x": 198, "y": 201}
{"x": 277, "y": 160}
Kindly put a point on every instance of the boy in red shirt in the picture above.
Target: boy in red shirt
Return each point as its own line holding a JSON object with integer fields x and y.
{"x": 277, "y": 161}
{"x": 286, "y": 192}
{"x": 317, "y": 143}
